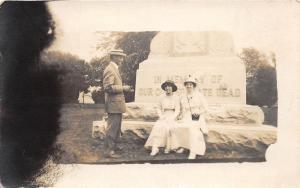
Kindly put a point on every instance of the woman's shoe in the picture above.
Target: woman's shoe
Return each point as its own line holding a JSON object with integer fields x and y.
{"x": 154, "y": 151}
{"x": 181, "y": 150}
{"x": 192, "y": 155}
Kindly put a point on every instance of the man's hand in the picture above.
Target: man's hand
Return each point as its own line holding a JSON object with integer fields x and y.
{"x": 127, "y": 88}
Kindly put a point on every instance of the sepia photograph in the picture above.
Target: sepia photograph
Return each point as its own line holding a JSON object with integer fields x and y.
{"x": 168, "y": 96}
{"x": 88, "y": 85}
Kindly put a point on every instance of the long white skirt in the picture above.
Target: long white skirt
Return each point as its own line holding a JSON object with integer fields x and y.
{"x": 160, "y": 134}
{"x": 188, "y": 135}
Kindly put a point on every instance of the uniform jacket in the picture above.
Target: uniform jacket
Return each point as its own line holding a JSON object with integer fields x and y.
{"x": 112, "y": 84}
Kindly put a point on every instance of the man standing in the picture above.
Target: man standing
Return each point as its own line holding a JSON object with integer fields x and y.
{"x": 114, "y": 101}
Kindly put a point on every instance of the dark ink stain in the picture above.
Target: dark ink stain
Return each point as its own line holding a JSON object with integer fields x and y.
{"x": 30, "y": 101}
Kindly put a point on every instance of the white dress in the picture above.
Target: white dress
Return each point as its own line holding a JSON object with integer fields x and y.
{"x": 189, "y": 133}
{"x": 168, "y": 110}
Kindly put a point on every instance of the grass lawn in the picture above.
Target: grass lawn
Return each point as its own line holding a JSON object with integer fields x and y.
{"x": 78, "y": 146}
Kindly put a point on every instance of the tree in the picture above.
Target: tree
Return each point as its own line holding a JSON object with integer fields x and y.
{"x": 98, "y": 65}
{"x": 262, "y": 91}
{"x": 75, "y": 73}
{"x": 107, "y": 40}
{"x": 137, "y": 46}
{"x": 253, "y": 60}
{"x": 261, "y": 77}
{"x": 136, "y": 43}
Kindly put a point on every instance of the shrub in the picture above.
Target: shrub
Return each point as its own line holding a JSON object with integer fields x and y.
{"x": 76, "y": 73}
{"x": 261, "y": 77}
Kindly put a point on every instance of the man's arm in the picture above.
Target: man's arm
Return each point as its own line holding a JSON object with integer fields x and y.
{"x": 108, "y": 83}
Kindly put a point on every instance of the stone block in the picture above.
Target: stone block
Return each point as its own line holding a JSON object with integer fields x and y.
{"x": 99, "y": 129}
{"x": 246, "y": 115}
{"x": 222, "y": 142}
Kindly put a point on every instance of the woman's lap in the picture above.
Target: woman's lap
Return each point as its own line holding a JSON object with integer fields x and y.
{"x": 159, "y": 134}
{"x": 189, "y": 136}
{"x": 175, "y": 135}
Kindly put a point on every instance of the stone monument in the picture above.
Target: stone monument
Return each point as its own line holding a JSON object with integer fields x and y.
{"x": 208, "y": 56}
{"x": 236, "y": 129}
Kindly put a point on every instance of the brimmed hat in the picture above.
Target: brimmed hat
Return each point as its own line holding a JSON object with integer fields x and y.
{"x": 190, "y": 79}
{"x": 117, "y": 53}
{"x": 169, "y": 83}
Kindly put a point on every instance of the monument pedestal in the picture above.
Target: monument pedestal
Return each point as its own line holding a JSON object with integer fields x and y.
{"x": 242, "y": 115}
{"x": 234, "y": 131}
{"x": 222, "y": 142}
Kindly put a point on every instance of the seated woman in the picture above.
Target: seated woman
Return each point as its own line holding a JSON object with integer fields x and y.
{"x": 168, "y": 110}
{"x": 192, "y": 126}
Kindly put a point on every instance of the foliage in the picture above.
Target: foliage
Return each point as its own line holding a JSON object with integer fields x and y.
{"x": 76, "y": 73}
{"x": 137, "y": 46}
{"x": 261, "y": 77}
{"x": 262, "y": 90}
{"x": 98, "y": 96}
{"x": 107, "y": 40}
{"x": 136, "y": 42}
{"x": 253, "y": 60}
{"x": 98, "y": 65}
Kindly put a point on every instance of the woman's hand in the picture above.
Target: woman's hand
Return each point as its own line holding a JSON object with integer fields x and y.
{"x": 204, "y": 130}
{"x": 195, "y": 116}
{"x": 179, "y": 117}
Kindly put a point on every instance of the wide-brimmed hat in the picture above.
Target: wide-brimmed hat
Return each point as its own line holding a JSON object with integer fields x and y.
{"x": 169, "y": 83}
{"x": 190, "y": 79}
{"x": 117, "y": 53}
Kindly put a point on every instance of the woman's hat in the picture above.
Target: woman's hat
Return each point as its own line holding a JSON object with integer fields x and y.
{"x": 190, "y": 79}
{"x": 117, "y": 53}
{"x": 169, "y": 83}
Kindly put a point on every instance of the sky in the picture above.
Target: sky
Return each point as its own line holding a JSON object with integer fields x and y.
{"x": 256, "y": 24}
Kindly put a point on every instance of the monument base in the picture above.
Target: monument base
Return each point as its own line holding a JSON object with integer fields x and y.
{"x": 222, "y": 142}
{"x": 235, "y": 131}
{"x": 231, "y": 141}
{"x": 246, "y": 115}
